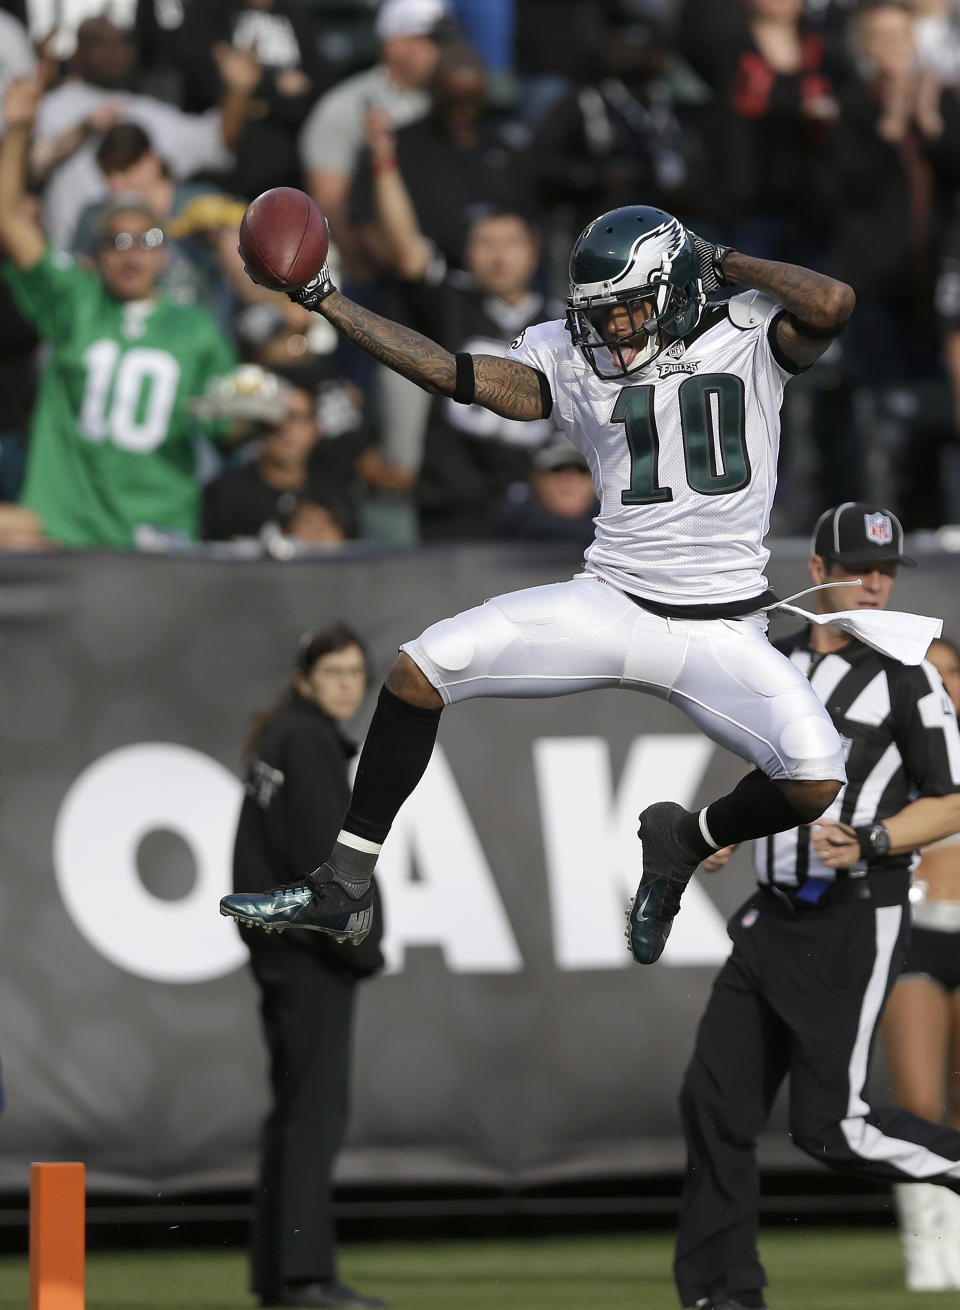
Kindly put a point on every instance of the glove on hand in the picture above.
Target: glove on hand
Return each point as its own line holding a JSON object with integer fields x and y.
{"x": 709, "y": 261}
{"x": 315, "y": 290}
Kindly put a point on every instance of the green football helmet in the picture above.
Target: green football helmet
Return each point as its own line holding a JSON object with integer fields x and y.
{"x": 632, "y": 256}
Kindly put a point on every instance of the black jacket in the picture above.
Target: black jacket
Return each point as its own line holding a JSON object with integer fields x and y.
{"x": 868, "y": 189}
{"x": 296, "y": 794}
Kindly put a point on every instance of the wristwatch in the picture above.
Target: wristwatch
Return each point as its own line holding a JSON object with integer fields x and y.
{"x": 874, "y": 841}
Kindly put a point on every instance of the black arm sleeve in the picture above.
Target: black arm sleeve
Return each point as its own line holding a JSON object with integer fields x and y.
{"x": 787, "y": 364}
{"x": 546, "y": 396}
{"x": 464, "y": 392}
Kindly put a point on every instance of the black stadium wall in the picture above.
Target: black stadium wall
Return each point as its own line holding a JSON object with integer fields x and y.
{"x": 512, "y": 1042}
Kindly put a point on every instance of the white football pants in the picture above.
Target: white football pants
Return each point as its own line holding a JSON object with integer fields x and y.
{"x": 585, "y": 634}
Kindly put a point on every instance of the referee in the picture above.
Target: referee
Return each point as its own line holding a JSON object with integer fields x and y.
{"x": 819, "y": 945}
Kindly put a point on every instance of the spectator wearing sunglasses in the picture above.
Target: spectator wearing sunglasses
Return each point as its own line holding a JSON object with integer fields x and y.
{"x": 200, "y": 222}
{"x": 112, "y": 453}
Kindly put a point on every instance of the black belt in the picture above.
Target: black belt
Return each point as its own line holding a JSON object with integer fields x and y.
{"x": 881, "y": 886}
{"x": 731, "y": 609}
{"x": 838, "y": 893}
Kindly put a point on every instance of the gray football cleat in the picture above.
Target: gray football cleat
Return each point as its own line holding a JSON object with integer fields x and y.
{"x": 321, "y": 906}
{"x": 668, "y": 864}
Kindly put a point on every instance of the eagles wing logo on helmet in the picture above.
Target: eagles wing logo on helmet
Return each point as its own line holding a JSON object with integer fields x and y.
{"x": 674, "y": 235}
{"x": 641, "y": 259}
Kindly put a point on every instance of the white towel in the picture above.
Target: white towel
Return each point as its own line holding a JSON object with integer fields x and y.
{"x": 892, "y": 632}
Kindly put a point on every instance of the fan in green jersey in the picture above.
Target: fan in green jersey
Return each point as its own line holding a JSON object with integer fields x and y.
{"x": 112, "y": 456}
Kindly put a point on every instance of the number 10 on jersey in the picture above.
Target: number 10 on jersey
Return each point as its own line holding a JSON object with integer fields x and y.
{"x": 712, "y": 429}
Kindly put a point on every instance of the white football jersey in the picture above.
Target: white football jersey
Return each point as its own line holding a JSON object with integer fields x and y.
{"x": 683, "y": 453}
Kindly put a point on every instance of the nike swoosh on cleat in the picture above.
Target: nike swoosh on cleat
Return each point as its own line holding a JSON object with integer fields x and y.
{"x": 639, "y": 909}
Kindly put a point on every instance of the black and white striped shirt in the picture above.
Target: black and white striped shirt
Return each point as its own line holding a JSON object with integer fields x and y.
{"x": 901, "y": 741}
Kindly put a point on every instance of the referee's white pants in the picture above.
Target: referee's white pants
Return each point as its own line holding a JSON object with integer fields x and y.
{"x": 585, "y": 634}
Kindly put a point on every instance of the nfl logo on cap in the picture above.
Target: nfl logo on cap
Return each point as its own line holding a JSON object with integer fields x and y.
{"x": 856, "y": 534}
{"x": 878, "y": 528}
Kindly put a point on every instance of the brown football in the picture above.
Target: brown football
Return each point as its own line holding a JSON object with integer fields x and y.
{"x": 283, "y": 238}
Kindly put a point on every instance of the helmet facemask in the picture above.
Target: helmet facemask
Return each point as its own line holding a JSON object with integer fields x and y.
{"x": 661, "y": 305}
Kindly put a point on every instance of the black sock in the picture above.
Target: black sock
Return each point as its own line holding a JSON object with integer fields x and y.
{"x": 395, "y": 754}
{"x": 755, "y": 808}
{"x": 753, "y": 1300}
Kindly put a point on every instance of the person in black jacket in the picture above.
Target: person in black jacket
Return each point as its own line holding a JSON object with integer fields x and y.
{"x": 621, "y": 132}
{"x": 464, "y": 457}
{"x": 774, "y": 81}
{"x": 292, "y": 53}
{"x": 295, "y": 795}
{"x": 302, "y": 459}
{"x": 818, "y": 947}
{"x": 892, "y": 173}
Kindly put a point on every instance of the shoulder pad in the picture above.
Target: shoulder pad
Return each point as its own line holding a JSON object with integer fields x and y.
{"x": 750, "y": 309}
{"x": 549, "y": 333}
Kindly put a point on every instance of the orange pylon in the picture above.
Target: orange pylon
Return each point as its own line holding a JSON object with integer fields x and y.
{"x": 57, "y": 1236}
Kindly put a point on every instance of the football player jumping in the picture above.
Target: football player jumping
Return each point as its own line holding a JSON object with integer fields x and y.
{"x": 676, "y": 406}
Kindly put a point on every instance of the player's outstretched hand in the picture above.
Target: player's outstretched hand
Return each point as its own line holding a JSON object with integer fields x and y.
{"x": 309, "y": 295}
{"x": 709, "y": 261}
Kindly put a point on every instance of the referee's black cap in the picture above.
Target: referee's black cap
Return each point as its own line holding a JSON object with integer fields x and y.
{"x": 856, "y": 533}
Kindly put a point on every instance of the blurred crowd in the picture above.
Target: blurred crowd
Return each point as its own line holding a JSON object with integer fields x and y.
{"x": 155, "y": 396}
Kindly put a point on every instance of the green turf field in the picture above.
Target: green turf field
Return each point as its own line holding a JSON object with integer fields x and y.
{"x": 810, "y": 1269}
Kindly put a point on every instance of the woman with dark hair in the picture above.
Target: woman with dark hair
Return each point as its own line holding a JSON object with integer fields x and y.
{"x": 295, "y": 796}
{"x": 921, "y": 1032}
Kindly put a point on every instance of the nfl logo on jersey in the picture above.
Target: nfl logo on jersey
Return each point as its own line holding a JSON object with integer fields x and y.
{"x": 879, "y": 529}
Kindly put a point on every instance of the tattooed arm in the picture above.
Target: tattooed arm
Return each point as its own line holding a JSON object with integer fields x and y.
{"x": 505, "y": 386}
{"x": 813, "y": 301}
